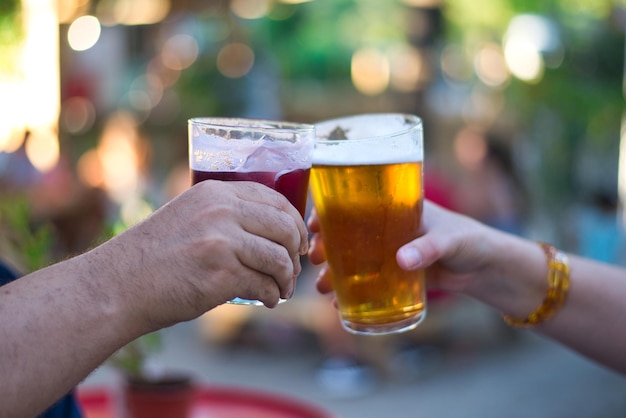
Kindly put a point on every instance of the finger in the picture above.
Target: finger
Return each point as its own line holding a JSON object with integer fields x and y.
{"x": 409, "y": 257}
{"x": 324, "y": 280}
{"x": 270, "y": 259}
{"x": 313, "y": 222}
{"x": 297, "y": 270}
{"x": 255, "y": 285}
{"x": 271, "y": 223}
{"x": 423, "y": 251}
{"x": 297, "y": 265}
{"x": 452, "y": 239}
{"x": 317, "y": 250}
{"x": 259, "y": 193}
{"x": 228, "y": 270}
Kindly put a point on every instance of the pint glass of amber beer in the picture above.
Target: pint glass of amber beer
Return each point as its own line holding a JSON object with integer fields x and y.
{"x": 367, "y": 189}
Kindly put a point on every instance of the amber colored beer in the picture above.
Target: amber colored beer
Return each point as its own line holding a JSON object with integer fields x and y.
{"x": 367, "y": 212}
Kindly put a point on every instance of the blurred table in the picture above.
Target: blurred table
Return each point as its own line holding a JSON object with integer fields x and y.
{"x": 212, "y": 402}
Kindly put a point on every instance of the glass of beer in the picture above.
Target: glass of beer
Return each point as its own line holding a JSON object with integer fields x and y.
{"x": 275, "y": 153}
{"x": 367, "y": 189}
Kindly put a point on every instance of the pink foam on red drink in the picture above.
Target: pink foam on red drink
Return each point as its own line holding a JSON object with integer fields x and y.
{"x": 294, "y": 185}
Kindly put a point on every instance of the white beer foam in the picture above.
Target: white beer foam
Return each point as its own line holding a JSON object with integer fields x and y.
{"x": 389, "y": 139}
{"x": 371, "y": 155}
{"x": 248, "y": 153}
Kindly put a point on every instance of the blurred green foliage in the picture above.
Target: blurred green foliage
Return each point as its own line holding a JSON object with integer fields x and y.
{"x": 11, "y": 35}
{"x": 25, "y": 242}
{"x": 575, "y": 109}
{"x": 131, "y": 359}
{"x": 575, "y": 112}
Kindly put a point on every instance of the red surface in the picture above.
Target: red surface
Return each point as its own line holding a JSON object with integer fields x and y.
{"x": 214, "y": 402}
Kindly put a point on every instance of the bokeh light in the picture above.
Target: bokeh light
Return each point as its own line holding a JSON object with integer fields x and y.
{"x": 83, "y": 33}
{"x": 42, "y": 149}
{"x": 528, "y": 41}
{"x": 455, "y": 64}
{"x": 78, "y": 115}
{"x": 89, "y": 169}
{"x": 39, "y": 87}
{"x": 145, "y": 92}
{"x": 235, "y": 60}
{"x": 68, "y": 10}
{"x": 167, "y": 76}
{"x": 11, "y": 138}
{"x": 250, "y": 9}
{"x": 524, "y": 60}
{"x": 118, "y": 156}
{"x": 490, "y": 65}
{"x": 179, "y": 52}
{"x": 12, "y": 122}
{"x": 370, "y": 71}
{"x": 140, "y": 12}
{"x": 407, "y": 68}
{"x": 423, "y": 3}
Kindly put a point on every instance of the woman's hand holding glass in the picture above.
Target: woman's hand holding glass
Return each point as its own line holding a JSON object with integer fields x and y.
{"x": 447, "y": 248}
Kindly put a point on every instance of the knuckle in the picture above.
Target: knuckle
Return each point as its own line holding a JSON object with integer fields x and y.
{"x": 277, "y": 260}
{"x": 284, "y": 262}
{"x": 216, "y": 243}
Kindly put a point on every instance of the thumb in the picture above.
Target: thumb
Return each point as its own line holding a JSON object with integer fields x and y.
{"x": 417, "y": 254}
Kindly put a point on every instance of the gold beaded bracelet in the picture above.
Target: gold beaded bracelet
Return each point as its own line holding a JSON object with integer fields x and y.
{"x": 558, "y": 285}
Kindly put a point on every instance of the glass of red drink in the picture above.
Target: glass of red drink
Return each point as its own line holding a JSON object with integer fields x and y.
{"x": 277, "y": 154}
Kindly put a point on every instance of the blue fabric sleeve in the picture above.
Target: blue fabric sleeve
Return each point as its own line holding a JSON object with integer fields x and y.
{"x": 67, "y": 407}
{"x": 6, "y": 274}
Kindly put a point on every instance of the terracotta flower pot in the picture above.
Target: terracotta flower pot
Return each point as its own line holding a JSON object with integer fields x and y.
{"x": 169, "y": 396}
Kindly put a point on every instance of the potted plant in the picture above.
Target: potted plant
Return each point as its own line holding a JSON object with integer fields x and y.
{"x": 148, "y": 392}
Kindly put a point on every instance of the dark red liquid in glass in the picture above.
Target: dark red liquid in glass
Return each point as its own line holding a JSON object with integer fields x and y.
{"x": 294, "y": 185}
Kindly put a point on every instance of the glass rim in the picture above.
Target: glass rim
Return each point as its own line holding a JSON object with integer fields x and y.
{"x": 252, "y": 124}
{"x": 416, "y": 120}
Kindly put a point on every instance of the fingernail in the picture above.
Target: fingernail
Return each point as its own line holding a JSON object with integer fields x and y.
{"x": 410, "y": 257}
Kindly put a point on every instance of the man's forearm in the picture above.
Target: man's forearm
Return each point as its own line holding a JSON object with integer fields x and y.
{"x": 59, "y": 324}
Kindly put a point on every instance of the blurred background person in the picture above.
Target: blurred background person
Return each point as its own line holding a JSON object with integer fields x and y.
{"x": 489, "y": 187}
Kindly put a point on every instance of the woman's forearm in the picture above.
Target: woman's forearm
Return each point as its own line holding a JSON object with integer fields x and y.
{"x": 592, "y": 317}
